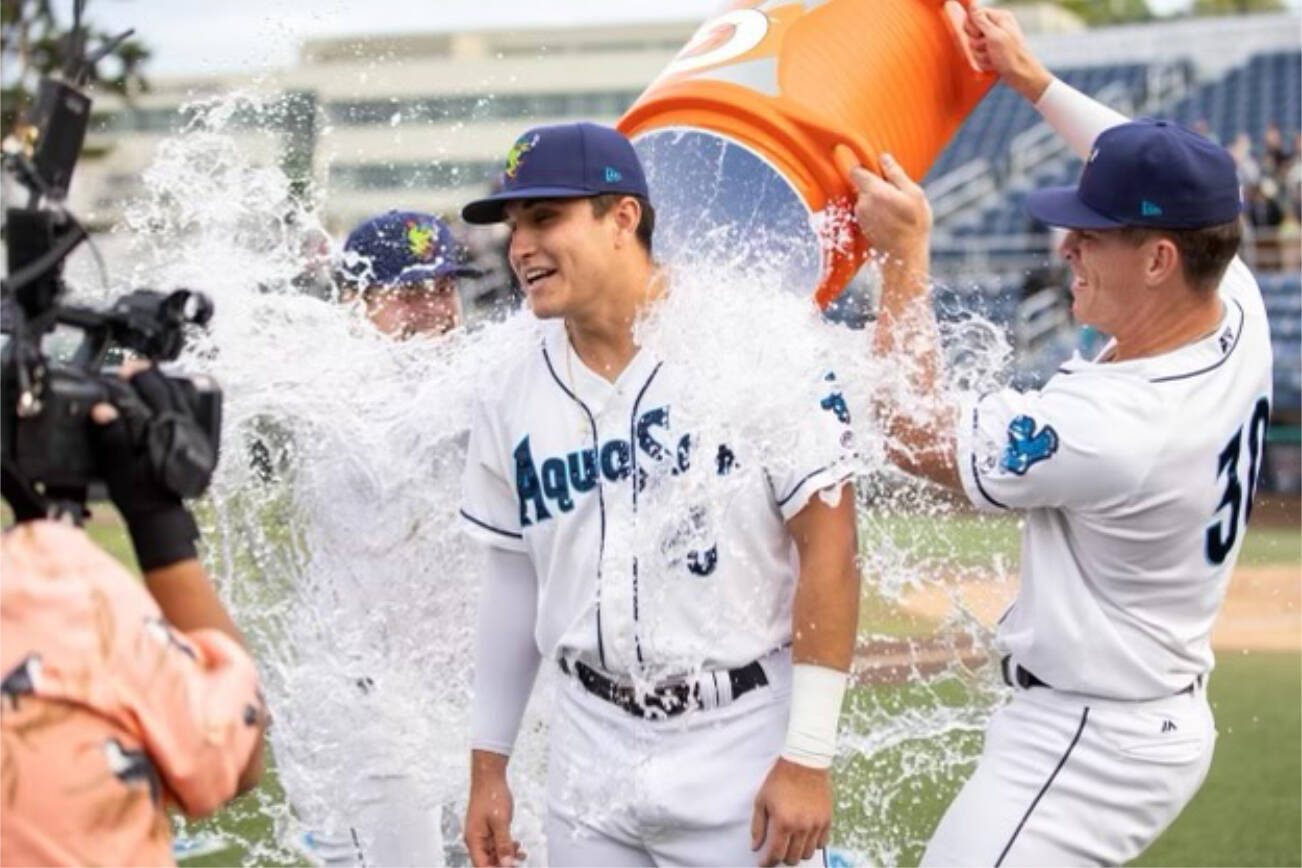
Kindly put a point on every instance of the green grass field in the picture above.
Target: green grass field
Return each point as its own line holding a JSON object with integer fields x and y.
{"x": 967, "y": 539}
{"x": 1249, "y": 812}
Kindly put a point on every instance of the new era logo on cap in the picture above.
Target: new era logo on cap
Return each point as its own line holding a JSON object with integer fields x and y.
{"x": 1146, "y": 173}
{"x": 564, "y": 161}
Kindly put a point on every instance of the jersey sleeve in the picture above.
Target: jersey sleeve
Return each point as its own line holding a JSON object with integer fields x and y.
{"x": 1080, "y": 443}
{"x": 490, "y": 510}
{"x": 821, "y": 454}
{"x": 182, "y": 709}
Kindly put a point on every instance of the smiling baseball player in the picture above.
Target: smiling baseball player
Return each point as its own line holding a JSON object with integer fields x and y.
{"x": 683, "y": 733}
{"x": 1134, "y": 472}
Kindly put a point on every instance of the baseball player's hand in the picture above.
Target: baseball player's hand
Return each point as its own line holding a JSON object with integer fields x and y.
{"x": 893, "y": 212}
{"x": 793, "y": 813}
{"x": 999, "y": 47}
{"x": 488, "y": 816}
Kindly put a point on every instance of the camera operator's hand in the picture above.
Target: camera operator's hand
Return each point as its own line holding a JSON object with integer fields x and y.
{"x": 151, "y": 453}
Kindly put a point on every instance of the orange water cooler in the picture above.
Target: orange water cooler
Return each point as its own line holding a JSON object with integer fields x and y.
{"x": 747, "y": 135}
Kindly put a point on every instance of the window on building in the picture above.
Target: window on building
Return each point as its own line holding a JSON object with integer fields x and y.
{"x": 440, "y": 109}
{"x": 447, "y": 174}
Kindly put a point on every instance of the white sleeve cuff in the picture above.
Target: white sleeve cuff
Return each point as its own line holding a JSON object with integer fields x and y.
{"x": 1078, "y": 118}
{"x": 490, "y": 534}
{"x": 790, "y": 503}
{"x": 969, "y": 427}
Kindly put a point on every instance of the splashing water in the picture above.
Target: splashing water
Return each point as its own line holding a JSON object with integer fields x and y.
{"x": 331, "y": 525}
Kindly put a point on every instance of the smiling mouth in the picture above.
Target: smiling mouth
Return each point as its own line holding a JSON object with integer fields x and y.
{"x": 534, "y": 276}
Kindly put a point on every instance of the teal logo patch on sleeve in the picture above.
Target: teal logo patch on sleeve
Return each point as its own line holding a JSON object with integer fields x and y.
{"x": 1026, "y": 446}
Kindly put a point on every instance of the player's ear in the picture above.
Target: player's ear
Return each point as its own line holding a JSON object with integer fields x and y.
{"x": 627, "y": 214}
{"x": 1162, "y": 261}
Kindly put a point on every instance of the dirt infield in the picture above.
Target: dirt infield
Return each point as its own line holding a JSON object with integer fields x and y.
{"x": 1262, "y": 612}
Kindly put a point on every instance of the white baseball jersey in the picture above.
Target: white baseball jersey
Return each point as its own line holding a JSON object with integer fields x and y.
{"x": 657, "y": 551}
{"x": 1137, "y": 480}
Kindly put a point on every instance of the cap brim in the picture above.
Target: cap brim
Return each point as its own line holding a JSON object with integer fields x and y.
{"x": 491, "y": 209}
{"x": 418, "y": 273}
{"x": 1061, "y": 206}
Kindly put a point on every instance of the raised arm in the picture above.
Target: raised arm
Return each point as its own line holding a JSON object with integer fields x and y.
{"x": 1000, "y": 47}
{"x": 919, "y": 418}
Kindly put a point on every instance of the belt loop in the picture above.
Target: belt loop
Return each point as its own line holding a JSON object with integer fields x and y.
{"x": 707, "y": 690}
{"x": 723, "y": 687}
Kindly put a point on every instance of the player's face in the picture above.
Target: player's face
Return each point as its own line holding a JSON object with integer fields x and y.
{"x": 1106, "y": 274}
{"x": 430, "y": 308}
{"x": 559, "y": 252}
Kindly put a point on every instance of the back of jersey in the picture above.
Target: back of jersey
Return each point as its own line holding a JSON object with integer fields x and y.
{"x": 1203, "y": 484}
{"x": 1136, "y": 478}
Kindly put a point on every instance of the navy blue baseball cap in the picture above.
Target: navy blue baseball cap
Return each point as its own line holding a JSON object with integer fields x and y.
{"x": 1146, "y": 173}
{"x": 565, "y": 161}
{"x": 402, "y": 247}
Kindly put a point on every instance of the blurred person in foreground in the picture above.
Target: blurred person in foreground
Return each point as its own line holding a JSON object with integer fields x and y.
{"x": 120, "y": 698}
{"x": 1134, "y": 472}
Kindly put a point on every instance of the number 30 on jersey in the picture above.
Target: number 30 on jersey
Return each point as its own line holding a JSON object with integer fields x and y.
{"x": 1223, "y": 532}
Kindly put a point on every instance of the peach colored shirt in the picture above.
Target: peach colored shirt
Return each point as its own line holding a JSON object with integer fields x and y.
{"x": 107, "y": 712}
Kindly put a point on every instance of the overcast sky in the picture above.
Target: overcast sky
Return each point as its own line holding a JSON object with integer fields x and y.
{"x": 247, "y": 35}
{"x": 230, "y": 35}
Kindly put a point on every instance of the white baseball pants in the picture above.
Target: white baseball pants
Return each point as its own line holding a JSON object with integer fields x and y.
{"x": 624, "y": 791}
{"x": 392, "y": 827}
{"x": 1066, "y": 779}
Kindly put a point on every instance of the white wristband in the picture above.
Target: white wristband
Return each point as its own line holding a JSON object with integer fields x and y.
{"x": 816, "y": 695}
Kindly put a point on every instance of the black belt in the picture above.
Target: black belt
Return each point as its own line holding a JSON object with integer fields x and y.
{"x": 665, "y": 700}
{"x": 1017, "y": 676}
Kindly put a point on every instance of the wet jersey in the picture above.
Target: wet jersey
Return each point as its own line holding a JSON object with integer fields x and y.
{"x": 1136, "y": 481}
{"x": 658, "y": 548}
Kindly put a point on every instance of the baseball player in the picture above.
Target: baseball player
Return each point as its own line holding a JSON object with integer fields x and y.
{"x": 672, "y": 741}
{"x": 1134, "y": 473}
{"x": 373, "y": 804}
{"x": 404, "y": 265}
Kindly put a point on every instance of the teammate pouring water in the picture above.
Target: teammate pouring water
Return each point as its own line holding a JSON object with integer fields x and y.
{"x": 1134, "y": 472}
{"x": 673, "y": 741}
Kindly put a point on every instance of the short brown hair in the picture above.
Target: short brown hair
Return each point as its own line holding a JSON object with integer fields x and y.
{"x": 1204, "y": 253}
{"x": 646, "y": 225}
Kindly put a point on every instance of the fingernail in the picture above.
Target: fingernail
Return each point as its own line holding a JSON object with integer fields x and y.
{"x": 888, "y": 159}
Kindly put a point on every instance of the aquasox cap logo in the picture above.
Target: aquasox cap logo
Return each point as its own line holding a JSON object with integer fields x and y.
{"x": 1026, "y": 446}
{"x": 515, "y": 156}
{"x": 420, "y": 239}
